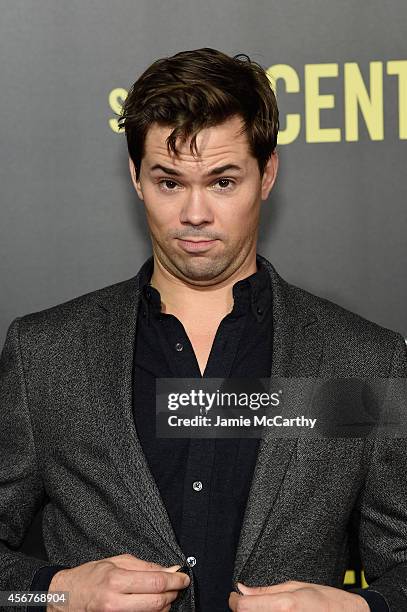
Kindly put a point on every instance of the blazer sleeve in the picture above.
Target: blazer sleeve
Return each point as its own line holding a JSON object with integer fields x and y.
{"x": 383, "y": 505}
{"x": 21, "y": 488}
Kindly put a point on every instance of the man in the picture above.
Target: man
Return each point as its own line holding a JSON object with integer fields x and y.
{"x": 253, "y": 524}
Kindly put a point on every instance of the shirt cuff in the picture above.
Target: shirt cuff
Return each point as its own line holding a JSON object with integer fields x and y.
{"x": 41, "y": 581}
{"x": 376, "y": 601}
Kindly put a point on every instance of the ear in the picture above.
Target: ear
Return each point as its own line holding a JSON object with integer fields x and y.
{"x": 270, "y": 175}
{"x": 136, "y": 183}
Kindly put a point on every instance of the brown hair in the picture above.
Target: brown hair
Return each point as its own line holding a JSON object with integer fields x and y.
{"x": 197, "y": 89}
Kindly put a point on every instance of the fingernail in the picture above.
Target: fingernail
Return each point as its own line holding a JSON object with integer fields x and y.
{"x": 174, "y": 567}
{"x": 242, "y": 587}
{"x": 187, "y": 580}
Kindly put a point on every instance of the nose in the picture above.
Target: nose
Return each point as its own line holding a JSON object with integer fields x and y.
{"x": 196, "y": 209}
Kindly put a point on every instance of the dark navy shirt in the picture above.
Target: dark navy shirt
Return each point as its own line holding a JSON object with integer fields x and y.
{"x": 204, "y": 482}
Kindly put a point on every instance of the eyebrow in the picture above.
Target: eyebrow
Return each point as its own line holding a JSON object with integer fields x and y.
{"x": 213, "y": 172}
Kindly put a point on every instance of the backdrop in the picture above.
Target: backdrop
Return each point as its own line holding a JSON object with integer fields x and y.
{"x": 336, "y": 221}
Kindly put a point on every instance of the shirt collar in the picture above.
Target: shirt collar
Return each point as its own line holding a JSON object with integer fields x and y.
{"x": 253, "y": 292}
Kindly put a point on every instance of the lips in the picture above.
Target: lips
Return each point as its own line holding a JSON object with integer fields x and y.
{"x": 196, "y": 245}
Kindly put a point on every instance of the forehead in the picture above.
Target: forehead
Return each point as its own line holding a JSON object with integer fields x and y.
{"x": 214, "y": 144}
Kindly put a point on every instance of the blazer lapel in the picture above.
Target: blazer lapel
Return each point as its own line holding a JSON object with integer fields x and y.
{"x": 109, "y": 338}
{"x": 297, "y": 350}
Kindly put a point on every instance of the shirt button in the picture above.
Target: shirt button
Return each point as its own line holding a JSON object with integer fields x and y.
{"x": 179, "y": 346}
{"x": 191, "y": 561}
{"x": 197, "y": 485}
{"x": 259, "y": 311}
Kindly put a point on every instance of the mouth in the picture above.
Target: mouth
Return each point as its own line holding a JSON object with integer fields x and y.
{"x": 196, "y": 245}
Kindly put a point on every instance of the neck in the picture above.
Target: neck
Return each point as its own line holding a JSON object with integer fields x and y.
{"x": 203, "y": 302}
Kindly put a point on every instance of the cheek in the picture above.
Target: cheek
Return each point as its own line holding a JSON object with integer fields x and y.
{"x": 162, "y": 222}
{"x": 239, "y": 215}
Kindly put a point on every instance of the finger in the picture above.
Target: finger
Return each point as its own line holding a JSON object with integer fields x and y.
{"x": 233, "y": 599}
{"x": 277, "y": 602}
{"x": 139, "y": 581}
{"x": 128, "y": 561}
{"x": 290, "y": 585}
{"x": 141, "y": 603}
{"x": 257, "y": 603}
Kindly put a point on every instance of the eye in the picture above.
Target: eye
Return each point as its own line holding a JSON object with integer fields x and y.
{"x": 169, "y": 184}
{"x": 223, "y": 181}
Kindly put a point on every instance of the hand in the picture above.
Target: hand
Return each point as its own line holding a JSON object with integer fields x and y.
{"x": 118, "y": 584}
{"x": 295, "y": 596}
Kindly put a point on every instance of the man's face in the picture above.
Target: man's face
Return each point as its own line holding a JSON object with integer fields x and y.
{"x": 203, "y": 199}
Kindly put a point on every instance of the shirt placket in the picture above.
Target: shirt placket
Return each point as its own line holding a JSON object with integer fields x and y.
{"x": 199, "y": 471}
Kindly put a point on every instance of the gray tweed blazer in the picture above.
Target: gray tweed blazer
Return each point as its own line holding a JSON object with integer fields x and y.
{"x": 68, "y": 443}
